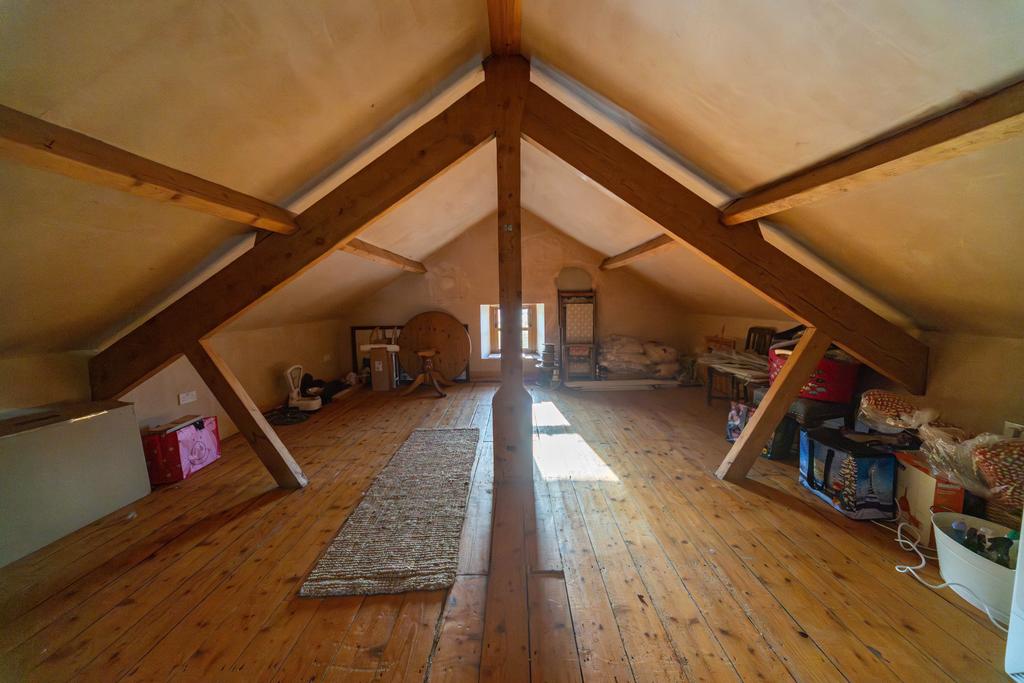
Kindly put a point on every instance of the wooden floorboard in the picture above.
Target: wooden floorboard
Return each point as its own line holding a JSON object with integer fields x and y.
{"x": 642, "y": 566}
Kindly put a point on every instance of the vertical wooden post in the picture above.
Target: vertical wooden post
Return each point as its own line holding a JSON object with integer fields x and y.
{"x": 506, "y": 646}
{"x": 741, "y": 457}
{"x": 232, "y": 396}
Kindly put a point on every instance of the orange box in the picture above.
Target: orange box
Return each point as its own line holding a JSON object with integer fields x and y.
{"x": 918, "y": 492}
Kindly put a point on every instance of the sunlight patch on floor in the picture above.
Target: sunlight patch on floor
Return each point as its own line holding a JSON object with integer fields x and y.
{"x": 560, "y": 452}
{"x": 547, "y": 414}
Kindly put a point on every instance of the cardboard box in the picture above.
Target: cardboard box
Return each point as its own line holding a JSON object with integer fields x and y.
{"x": 918, "y": 492}
{"x": 381, "y": 372}
{"x": 178, "y": 449}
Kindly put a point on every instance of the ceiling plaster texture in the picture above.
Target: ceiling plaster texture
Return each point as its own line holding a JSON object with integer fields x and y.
{"x": 257, "y": 95}
{"x": 263, "y": 96}
{"x": 750, "y": 92}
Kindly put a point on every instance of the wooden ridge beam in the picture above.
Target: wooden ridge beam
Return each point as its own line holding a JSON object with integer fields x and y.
{"x": 504, "y": 17}
{"x": 984, "y": 122}
{"x": 648, "y": 248}
{"x": 37, "y": 143}
{"x": 277, "y": 259}
{"x": 380, "y": 255}
{"x": 773, "y": 407}
{"x": 242, "y": 410}
{"x": 741, "y": 252}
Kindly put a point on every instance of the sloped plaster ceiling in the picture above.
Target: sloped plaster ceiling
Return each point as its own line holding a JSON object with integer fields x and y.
{"x": 76, "y": 258}
{"x": 953, "y": 257}
{"x": 442, "y": 209}
{"x": 254, "y": 94}
{"x": 593, "y": 216}
{"x": 259, "y": 96}
{"x": 431, "y": 217}
{"x": 317, "y": 293}
{"x": 458, "y": 199}
{"x": 750, "y": 92}
{"x": 263, "y": 96}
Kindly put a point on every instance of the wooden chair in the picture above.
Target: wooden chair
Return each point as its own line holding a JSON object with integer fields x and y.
{"x": 759, "y": 339}
{"x": 428, "y": 374}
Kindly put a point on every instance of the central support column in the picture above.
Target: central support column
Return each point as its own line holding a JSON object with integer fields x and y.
{"x": 506, "y": 643}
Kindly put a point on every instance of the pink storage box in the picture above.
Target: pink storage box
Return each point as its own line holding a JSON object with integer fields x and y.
{"x": 178, "y": 449}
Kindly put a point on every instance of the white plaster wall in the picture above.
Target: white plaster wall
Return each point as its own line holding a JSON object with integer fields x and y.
{"x": 462, "y": 276}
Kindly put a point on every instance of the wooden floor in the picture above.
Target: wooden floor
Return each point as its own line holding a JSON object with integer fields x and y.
{"x": 644, "y": 567}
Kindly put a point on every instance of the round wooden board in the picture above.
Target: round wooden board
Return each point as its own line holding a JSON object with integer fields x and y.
{"x": 435, "y": 330}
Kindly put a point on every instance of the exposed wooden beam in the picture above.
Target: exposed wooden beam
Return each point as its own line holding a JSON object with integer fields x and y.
{"x": 38, "y": 143}
{"x": 739, "y": 252}
{"x": 235, "y": 401}
{"x": 984, "y": 122}
{"x": 337, "y": 218}
{"x": 383, "y": 256}
{"x": 506, "y": 639}
{"x": 648, "y": 248}
{"x": 506, "y": 24}
{"x": 794, "y": 374}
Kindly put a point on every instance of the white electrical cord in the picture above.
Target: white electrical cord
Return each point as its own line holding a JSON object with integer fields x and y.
{"x": 932, "y": 553}
{"x": 912, "y": 546}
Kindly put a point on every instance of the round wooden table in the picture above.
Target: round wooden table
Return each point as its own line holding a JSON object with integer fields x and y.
{"x": 442, "y": 333}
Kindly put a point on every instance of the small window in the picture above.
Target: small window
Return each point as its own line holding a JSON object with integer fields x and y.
{"x": 531, "y": 329}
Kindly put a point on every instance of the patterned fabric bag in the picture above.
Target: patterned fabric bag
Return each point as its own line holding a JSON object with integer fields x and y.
{"x": 1002, "y": 466}
{"x": 857, "y": 479}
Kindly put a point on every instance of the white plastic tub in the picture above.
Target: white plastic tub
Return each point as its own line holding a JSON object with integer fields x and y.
{"x": 991, "y": 583}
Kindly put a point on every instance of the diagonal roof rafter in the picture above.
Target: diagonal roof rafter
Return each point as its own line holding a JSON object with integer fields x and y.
{"x": 336, "y": 221}
{"x": 651, "y": 247}
{"x": 751, "y": 258}
{"x": 741, "y": 252}
{"x": 372, "y": 252}
{"x": 985, "y": 121}
{"x": 41, "y": 144}
{"x": 329, "y": 224}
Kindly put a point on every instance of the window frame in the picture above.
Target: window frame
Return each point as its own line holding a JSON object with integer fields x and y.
{"x": 529, "y": 326}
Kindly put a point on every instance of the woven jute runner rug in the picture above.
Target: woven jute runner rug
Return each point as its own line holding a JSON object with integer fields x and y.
{"x": 404, "y": 535}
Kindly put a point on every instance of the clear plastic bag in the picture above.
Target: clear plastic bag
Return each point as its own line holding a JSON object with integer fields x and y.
{"x": 987, "y": 465}
{"x": 660, "y": 353}
{"x": 950, "y": 454}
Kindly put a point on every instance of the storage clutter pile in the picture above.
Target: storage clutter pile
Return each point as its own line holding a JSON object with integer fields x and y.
{"x": 834, "y": 380}
{"x": 825, "y": 400}
{"x": 962, "y": 492}
{"x": 856, "y": 470}
{"x": 750, "y": 367}
{"x": 990, "y": 466}
{"x": 622, "y": 357}
{"x": 976, "y": 532}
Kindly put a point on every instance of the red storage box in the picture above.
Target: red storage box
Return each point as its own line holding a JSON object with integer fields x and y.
{"x": 833, "y": 381}
{"x": 178, "y": 449}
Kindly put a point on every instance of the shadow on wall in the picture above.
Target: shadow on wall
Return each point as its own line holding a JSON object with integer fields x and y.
{"x": 27, "y": 381}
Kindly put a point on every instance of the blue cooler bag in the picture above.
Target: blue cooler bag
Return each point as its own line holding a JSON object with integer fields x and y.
{"x": 856, "y": 478}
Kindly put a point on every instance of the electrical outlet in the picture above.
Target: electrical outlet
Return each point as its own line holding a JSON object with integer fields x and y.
{"x": 1014, "y": 430}
{"x": 187, "y": 397}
